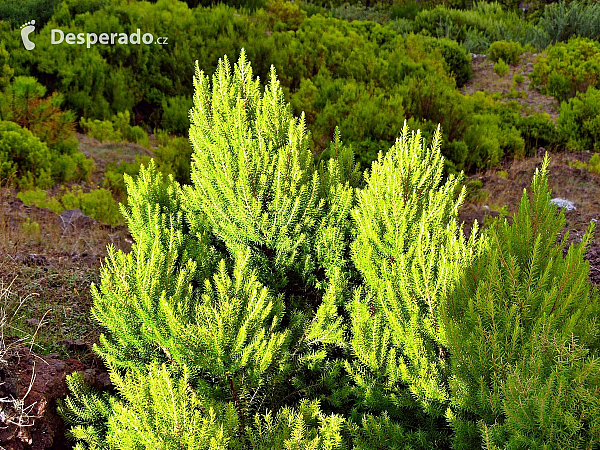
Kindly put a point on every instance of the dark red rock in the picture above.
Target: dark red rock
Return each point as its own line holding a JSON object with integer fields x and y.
{"x": 41, "y": 426}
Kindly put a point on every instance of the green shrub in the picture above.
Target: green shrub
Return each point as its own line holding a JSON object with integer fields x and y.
{"x": 510, "y": 52}
{"x": 457, "y": 60}
{"x": 23, "y": 102}
{"x": 501, "y": 68}
{"x": 277, "y": 302}
{"x": 173, "y": 156}
{"x": 484, "y": 22}
{"x": 17, "y": 13}
{"x": 23, "y": 157}
{"x": 518, "y": 78}
{"x": 117, "y": 129}
{"x": 176, "y": 112}
{"x": 563, "y": 20}
{"x": 593, "y": 165}
{"x": 113, "y": 176}
{"x": 541, "y": 393}
{"x": 568, "y": 68}
{"x": 39, "y": 198}
{"x": 32, "y": 229}
{"x": 579, "y": 121}
{"x": 103, "y": 130}
{"x": 97, "y": 203}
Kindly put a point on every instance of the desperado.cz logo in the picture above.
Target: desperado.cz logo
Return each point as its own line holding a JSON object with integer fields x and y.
{"x": 58, "y": 37}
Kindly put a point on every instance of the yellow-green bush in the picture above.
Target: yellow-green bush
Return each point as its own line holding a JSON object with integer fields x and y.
{"x": 97, "y": 203}
{"x": 501, "y": 68}
{"x": 579, "y": 121}
{"x": 568, "y": 68}
{"x": 508, "y": 51}
{"x": 117, "y": 129}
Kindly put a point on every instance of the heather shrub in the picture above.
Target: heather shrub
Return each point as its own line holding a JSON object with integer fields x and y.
{"x": 568, "y": 68}
{"x": 579, "y": 121}
{"x": 457, "y": 60}
{"x": 538, "y": 130}
{"x": 501, "y": 68}
{"x": 510, "y": 52}
{"x": 23, "y": 157}
{"x": 283, "y": 302}
{"x": 522, "y": 299}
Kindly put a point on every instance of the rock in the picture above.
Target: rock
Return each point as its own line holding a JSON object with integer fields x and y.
{"x": 42, "y": 427}
{"x": 76, "y": 344}
{"x": 75, "y": 219}
{"x": 35, "y": 259}
{"x": 563, "y": 203}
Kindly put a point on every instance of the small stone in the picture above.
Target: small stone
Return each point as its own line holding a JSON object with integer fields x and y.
{"x": 568, "y": 205}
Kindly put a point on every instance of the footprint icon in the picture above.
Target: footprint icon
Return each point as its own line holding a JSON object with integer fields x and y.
{"x": 26, "y": 29}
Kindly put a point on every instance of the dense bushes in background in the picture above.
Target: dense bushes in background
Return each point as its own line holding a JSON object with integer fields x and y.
{"x": 579, "y": 121}
{"x": 366, "y": 77}
{"x": 117, "y": 129}
{"x": 22, "y": 102}
{"x": 278, "y": 302}
{"x": 568, "y": 68}
{"x": 17, "y": 13}
{"x": 563, "y": 20}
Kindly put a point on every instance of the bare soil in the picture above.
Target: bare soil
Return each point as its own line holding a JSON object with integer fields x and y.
{"x": 485, "y": 79}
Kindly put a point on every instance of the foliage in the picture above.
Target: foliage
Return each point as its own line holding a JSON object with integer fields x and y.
{"x": 487, "y": 22}
{"x": 396, "y": 333}
{"x": 23, "y": 157}
{"x": 457, "y": 61}
{"x": 522, "y": 299}
{"x": 510, "y": 52}
{"x": 117, "y": 129}
{"x": 579, "y": 121}
{"x": 173, "y": 156}
{"x": 22, "y": 102}
{"x": 593, "y": 165}
{"x": 563, "y": 20}
{"x": 97, "y": 203}
{"x": 568, "y": 68}
{"x": 278, "y": 303}
{"x": 113, "y": 176}
{"x": 518, "y": 79}
{"x": 501, "y": 68}
{"x": 354, "y": 74}
{"x": 18, "y": 13}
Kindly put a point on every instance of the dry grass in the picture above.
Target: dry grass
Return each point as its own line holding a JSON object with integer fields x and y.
{"x": 58, "y": 264}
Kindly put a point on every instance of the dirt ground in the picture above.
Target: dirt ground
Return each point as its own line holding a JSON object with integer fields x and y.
{"x": 485, "y": 79}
